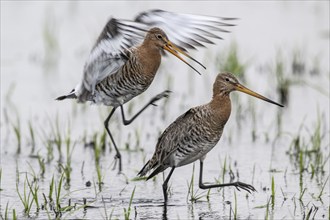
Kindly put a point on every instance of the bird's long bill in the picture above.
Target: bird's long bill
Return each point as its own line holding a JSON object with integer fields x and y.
{"x": 175, "y": 51}
{"x": 242, "y": 88}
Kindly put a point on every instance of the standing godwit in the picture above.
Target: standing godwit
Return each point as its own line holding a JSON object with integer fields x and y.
{"x": 191, "y": 136}
{"x": 126, "y": 57}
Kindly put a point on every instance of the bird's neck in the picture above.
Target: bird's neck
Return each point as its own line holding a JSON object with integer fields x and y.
{"x": 150, "y": 58}
{"x": 221, "y": 107}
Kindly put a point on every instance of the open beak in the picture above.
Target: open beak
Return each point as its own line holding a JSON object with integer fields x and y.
{"x": 242, "y": 88}
{"x": 170, "y": 47}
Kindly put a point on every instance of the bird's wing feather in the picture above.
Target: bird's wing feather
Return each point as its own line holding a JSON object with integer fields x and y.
{"x": 186, "y": 30}
{"x": 174, "y": 134}
{"x": 112, "y": 50}
{"x": 119, "y": 36}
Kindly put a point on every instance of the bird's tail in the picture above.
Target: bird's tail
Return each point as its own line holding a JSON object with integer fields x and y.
{"x": 159, "y": 169}
{"x": 147, "y": 167}
{"x": 144, "y": 170}
{"x": 71, "y": 95}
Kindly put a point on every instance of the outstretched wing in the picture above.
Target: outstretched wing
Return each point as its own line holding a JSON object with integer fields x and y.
{"x": 113, "y": 46}
{"x": 186, "y": 30}
{"x": 111, "y": 50}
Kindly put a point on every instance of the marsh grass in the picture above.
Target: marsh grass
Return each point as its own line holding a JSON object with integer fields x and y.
{"x": 17, "y": 174}
{"x": 51, "y": 189}
{"x": 235, "y": 206}
{"x": 266, "y": 206}
{"x": 49, "y": 147}
{"x": 25, "y": 197}
{"x": 137, "y": 139}
{"x": 107, "y": 217}
{"x": 34, "y": 188}
{"x": 322, "y": 189}
{"x": 136, "y": 147}
{"x": 6, "y": 214}
{"x": 230, "y": 61}
{"x": 32, "y": 137}
{"x": 42, "y": 165}
{"x": 127, "y": 212}
{"x": 14, "y": 214}
{"x": 52, "y": 138}
{"x": 52, "y": 205}
{"x": 283, "y": 81}
{"x": 194, "y": 195}
{"x": 17, "y": 131}
{"x": 286, "y": 77}
{"x": 307, "y": 151}
{"x": 302, "y": 193}
{"x": 56, "y": 134}
{"x": 298, "y": 62}
{"x": 267, "y": 209}
{"x": 99, "y": 176}
{"x": 99, "y": 147}
{"x": 253, "y": 114}
{"x": 67, "y": 168}
{"x": 58, "y": 188}
{"x": 5, "y": 217}
{"x": 224, "y": 169}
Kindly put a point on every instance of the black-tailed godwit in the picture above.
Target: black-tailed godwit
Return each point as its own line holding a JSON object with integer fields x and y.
{"x": 191, "y": 136}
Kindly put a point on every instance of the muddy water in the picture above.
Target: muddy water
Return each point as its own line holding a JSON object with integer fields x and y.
{"x": 43, "y": 48}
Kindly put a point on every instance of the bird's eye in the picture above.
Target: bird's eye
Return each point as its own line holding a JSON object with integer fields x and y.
{"x": 159, "y": 36}
{"x": 227, "y": 79}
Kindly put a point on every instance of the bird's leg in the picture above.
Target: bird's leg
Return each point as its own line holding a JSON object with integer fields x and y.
{"x": 106, "y": 125}
{"x": 164, "y": 216}
{"x": 151, "y": 102}
{"x": 165, "y": 185}
{"x": 238, "y": 185}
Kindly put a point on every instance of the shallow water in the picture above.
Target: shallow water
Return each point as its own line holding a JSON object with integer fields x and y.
{"x": 43, "y": 49}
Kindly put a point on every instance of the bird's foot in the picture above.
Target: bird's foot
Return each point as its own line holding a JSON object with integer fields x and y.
{"x": 244, "y": 186}
{"x": 164, "y": 94}
{"x": 117, "y": 158}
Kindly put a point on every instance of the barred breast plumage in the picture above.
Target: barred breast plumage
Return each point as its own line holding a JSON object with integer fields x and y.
{"x": 132, "y": 79}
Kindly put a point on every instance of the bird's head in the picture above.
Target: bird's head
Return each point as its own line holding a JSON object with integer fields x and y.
{"x": 227, "y": 82}
{"x": 158, "y": 38}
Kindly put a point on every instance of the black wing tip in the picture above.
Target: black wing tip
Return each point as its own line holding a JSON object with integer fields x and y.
{"x": 155, "y": 172}
{"x": 138, "y": 18}
{"x": 112, "y": 20}
{"x": 71, "y": 95}
{"x": 143, "y": 171}
{"x": 230, "y": 19}
{"x": 150, "y": 176}
{"x": 60, "y": 98}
